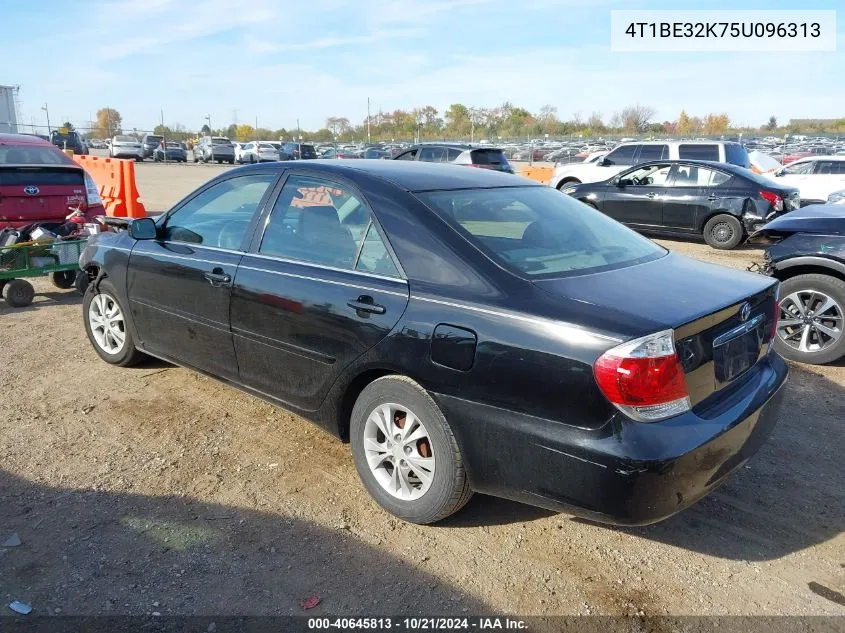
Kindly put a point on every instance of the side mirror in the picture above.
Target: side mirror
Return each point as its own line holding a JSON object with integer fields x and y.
{"x": 143, "y": 229}
{"x": 602, "y": 162}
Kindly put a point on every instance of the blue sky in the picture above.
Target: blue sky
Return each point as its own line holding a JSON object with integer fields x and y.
{"x": 281, "y": 60}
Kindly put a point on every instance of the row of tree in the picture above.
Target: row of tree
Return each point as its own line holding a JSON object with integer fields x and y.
{"x": 503, "y": 122}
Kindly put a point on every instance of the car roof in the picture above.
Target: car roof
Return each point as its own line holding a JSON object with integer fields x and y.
{"x": 410, "y": 175}
{"x": 806, "y": 159}
{"x": 22, "y": 139}
{"x": 677, "y": 142}
{"x": 691, "y": 161}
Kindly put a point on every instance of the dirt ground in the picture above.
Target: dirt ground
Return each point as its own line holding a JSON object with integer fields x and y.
{"x": 153, "y": 489}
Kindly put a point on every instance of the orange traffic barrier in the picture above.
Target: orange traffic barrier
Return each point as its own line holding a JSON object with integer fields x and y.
{"x": 538, "y": 173}
{"x": 115, "y": 180}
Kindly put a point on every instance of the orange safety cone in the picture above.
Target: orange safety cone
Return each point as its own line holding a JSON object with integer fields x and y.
{"x": 131, "y": 198}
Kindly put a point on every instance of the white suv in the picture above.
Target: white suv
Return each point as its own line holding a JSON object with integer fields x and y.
{"x": 817, "y": 177}
{"x": 628, "y": 154}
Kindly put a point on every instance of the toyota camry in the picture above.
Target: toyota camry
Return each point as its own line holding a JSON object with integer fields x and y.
{"x": 465, "y": 330}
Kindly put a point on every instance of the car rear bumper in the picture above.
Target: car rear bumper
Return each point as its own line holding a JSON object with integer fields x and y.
{"x": 122, "y": 152}
{"x": 626, "y": 473}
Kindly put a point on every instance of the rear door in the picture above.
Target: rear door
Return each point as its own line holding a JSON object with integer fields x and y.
{"x": 699, "y": 151}
{"x": 39, "y": 193}
{"x": 318, "y": 288}
{"x": 828, "y": 176}
{"x": 179, "y": 285}
{"x": 696, "y": 191}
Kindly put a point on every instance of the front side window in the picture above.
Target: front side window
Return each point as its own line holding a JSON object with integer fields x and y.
{"x": 220, "y": 215}
{"x": 539, "y": 232}
{"x": 651, "y": 176}
{"x": 322, "y": 222}
{"x": 698, "y": 151}
{"x": 622, "y": 155}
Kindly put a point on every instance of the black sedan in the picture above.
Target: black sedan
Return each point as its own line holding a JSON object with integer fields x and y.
{"x": 807, "y": 255}
{"x": 464, "y": 329}
{"x": 173, "y": 152}
{"x": 721, "y": 202}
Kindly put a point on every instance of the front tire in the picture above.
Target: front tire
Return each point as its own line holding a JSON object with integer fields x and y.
{"x": 107, "y": 326}
{"x": 723, "y": 231}
{"x": 405, "y": 452}
{"x": 810, "y": 319}
{"x": 568, "y": 182}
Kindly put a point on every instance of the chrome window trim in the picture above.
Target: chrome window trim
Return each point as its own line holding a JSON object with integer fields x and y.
{"x": 299, "y": 262}
{"x": 327, "y": 281}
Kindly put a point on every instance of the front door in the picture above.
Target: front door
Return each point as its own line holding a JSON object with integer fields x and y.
{"x": 636, "y": 197}
{"x": 179, "y": 285}
{"x": 317, "y": 290}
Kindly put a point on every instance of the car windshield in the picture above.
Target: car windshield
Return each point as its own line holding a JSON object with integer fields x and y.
{"x": 29, "y": 155}
{"x": 540, "y": 232}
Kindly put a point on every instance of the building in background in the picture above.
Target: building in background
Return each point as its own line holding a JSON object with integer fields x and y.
{"x": 8, "y": 110}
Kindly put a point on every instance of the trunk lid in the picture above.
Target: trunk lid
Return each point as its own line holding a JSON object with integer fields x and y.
{"x": 39, "y": 193}
{"x": 717, "y": 337}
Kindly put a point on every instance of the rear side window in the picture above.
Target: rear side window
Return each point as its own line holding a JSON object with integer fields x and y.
{"x": 22, "y": 155}
{"x": 433, "y": 154}
{"x": 736, "y": 154}
{"x": 622, "y": 155}
{"x": 830, "y": 167}
{"x": 488, "y": 157}
{"x": 698, "y": 151}
{"x": 653, "y": 152}
{"x": 453, "y": 153}
{"x": 695, "y": 176}
{"x": 539, "y": 232}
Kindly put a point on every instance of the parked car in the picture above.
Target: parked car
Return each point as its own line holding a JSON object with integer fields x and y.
{"x": 720, "y": 202}
{"x": 484, "y": 157}
{"x": 239, "y": 148}
{"x": 339, "y": 152}
{"x": 629, "y": 154}
{"x": 174, "y": 151}
{"x": 807, "y": 255}
{"x": 96, "y": 143}
{"x": 125, "y": 147}
{"x": 375, "y": 153}
{"x": 297, "y": 151}
{"x": 259, "y": 152}
{"x": 816, "y": 176}
{"x": 463, "y": 329}
{"x": 214, "y": 149}
{"x": 69, "y": 139}
{"x": 149, "y": 144}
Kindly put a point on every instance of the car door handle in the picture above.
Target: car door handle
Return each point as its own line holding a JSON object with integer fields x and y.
{"x": 218, "y": 278}
{"x": 651, "y": 195}
{"x": 365, "y": 304}
{"x": 712, "y": 197}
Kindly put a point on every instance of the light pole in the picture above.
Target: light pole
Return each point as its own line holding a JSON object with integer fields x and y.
{"x": 44, "y": 107}
{"x": 211, "y": 136}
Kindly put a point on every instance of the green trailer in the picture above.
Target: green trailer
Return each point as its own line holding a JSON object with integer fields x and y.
{"x": 58, "y": 260}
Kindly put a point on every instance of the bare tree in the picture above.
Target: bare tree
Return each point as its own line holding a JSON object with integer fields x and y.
{"x": 635, "y": 118}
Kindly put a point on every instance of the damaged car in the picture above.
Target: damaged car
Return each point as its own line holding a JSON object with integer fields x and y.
{"x": 685, "y": 198}
{"x": 806, "y": 254}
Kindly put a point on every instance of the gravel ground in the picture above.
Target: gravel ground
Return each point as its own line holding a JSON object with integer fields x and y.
{"x": 154, "y": 489}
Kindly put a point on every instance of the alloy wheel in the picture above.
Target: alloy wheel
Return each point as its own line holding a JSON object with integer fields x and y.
{"x": 107, "y": 325}
{"x": 809, "y": 321}
{"x": 398, "y": 450}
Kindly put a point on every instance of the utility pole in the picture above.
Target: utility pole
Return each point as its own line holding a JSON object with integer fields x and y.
{"x": 164, "y": 140}
{"x": 368, "y": 119}
{"x": 44, "y": 107}
{"x": 256, "y": 128}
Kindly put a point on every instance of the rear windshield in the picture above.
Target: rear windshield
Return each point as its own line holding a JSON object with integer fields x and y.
{"x": 540, "y": 232}
{"x": 266, "y": 146}
{"x": 20, "y": 155}
{"x": 220, "y": 141}
{"x": 736, "y": 154}
{"x": 153, "y": 139}
{"x": 307, "y": 150}
{"x": 126, "y": 139}
{"x": 488, "y": 157}
{"x": 40, "y": 176}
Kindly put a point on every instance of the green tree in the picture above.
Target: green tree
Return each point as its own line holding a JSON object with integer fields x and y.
{"x": 244, "y": 133}
{"x": 205, "y": 130}
{"x": 457, "y": 120}
{"x": 683, "y": 127}
{"x": 772, "y": 124}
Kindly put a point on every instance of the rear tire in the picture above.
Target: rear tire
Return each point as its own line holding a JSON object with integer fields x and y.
{"x": 802, "y": 287}
{"x": 18, "y": 293}
{"x": 568, "y": 182}
{"x": 723, "y": 231}
{"x": 108, "y": 345}
{"x": 441, "y": 488}
{"x": 63, "y": 279}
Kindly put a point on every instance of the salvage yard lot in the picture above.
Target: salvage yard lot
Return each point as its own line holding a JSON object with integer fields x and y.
{"x": 155, "y": 489}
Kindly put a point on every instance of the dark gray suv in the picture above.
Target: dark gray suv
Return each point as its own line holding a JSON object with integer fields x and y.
{"x": 214, "y": 149}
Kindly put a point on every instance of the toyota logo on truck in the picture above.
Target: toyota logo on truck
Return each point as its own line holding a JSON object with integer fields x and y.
{"x": 31, "y": 190}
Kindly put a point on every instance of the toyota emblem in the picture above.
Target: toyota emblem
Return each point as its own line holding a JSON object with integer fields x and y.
{"x": 745, "y": 311}
{"x": 31, "y": 190}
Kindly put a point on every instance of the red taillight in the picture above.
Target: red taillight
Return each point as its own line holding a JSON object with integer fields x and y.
{"x": 775, "y": 200}
{"x": 644, "y": 378}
